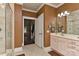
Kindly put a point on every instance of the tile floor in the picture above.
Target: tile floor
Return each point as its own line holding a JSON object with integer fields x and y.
{"x": 34, "y": 50}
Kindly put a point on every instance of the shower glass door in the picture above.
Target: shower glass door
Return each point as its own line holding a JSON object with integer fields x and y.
{"x": 5, "y": 29}
{"x": 2, "y": 29}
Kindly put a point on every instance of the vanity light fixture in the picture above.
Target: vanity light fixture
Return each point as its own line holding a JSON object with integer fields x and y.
{"x": 65, "y": 13}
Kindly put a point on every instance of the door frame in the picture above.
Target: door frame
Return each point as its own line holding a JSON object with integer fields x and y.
{"x": 26, "y": 17}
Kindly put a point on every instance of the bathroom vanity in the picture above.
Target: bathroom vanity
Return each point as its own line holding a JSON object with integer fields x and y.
{"x": 66, "y": 44}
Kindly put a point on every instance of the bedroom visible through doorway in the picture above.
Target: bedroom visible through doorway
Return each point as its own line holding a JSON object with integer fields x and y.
{"x": 29, "y": 31}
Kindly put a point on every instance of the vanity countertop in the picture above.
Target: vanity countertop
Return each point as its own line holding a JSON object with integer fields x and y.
{"x": 68, "y": 36}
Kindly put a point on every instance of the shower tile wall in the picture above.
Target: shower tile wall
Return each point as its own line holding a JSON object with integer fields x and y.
{"x": 5, "y": 30}
{"x": 2, "y": 30}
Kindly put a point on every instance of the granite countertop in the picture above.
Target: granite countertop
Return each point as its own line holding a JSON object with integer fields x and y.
{"x": 67, "y": 36}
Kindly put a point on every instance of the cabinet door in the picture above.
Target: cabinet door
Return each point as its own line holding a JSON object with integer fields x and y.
{"x": 53, "y": 42}
{"x": 62, "y": 45}
{"x": 76, "y": 47}
{"x": 71, "y": 48}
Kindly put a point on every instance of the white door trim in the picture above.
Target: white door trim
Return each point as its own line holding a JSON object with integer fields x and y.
{"x": 26, "y": 17}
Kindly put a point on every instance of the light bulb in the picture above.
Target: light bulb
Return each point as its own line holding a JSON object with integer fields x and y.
{"x": 62, "y": 14}
{"x": 59, "y": 15}
{"x": 66, "y": 13}
{"x": 48, "y": 31}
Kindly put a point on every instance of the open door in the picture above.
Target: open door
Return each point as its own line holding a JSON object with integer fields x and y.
{"x": 29, "y": 31}
{"x": 39, "y": 31}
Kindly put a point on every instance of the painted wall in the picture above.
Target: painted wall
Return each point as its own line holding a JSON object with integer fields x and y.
{"x": 30, "y": 14}
{"x": 42, "y": 10}
{"x": 51, "y": 12}
{"x": 68, "y": 7}
{"x": 49, "y": 15}
{"x": 18, "y": 25}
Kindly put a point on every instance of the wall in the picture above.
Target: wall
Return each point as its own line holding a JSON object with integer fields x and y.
{"x": 42, "y": 10}
{"x": 49, "y": 15}
{"x": 27, "y": 13}
{"x": 18, "y": 29}
{"x": 18, "y": 26}
{"x": 68, "y": 7}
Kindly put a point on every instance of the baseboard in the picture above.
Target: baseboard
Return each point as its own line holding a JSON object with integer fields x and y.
{"x": 48, "y": 49}
{"x": 18, "y": 51}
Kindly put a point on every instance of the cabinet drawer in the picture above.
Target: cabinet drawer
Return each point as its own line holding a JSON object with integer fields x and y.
{"x": 77, "y": 43}
{"x": 77, "y": 48}
{"x": 71, "y": 42}
{"x": 72, "y": 47}
{"x": 71, "y": 52}
{"x": 68, "y": 47}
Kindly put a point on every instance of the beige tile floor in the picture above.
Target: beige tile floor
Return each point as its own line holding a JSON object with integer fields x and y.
{"x": 34, "y": 50}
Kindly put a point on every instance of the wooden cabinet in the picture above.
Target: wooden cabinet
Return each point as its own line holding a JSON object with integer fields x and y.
{"x": 67, "y": 47}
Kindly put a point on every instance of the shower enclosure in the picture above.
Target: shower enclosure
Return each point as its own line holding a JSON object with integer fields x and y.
{"x": 5, "y": 30}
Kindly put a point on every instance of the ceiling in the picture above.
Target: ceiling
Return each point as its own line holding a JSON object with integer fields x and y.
{"x": 36, "y": 6}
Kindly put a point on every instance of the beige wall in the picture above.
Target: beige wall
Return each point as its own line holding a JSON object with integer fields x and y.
{"x": 49, "y": 14}
{"x": 30, "y": 14}
{"x": 68, "y": 7}
{"x": 18, "y": 25}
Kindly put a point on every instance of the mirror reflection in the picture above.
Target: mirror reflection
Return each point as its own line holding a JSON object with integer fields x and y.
{"x": 66, "y": 22}
{"x": 73, "y": 23}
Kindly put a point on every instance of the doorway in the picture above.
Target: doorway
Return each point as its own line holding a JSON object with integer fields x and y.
{"x": 38, "y": 36}
{"x": 29, "y": 31}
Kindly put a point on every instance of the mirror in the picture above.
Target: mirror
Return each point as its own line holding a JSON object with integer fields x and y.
{"x": 73, "y": 23}
{"x": 68, "y": 23}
